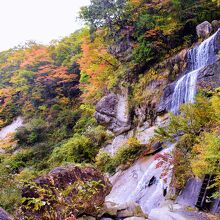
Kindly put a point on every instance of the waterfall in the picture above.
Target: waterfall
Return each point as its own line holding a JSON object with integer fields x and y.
{"x": 198, "y": 57}
{"x": 11, "y": 128}
{"x": 150, "y": 197}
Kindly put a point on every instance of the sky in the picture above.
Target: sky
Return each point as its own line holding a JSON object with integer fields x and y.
{"x": 39, "y": 20}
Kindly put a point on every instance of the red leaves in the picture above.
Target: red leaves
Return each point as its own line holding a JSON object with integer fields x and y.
{"x": 71, "y": 218}
{"x": 164, "y": 161}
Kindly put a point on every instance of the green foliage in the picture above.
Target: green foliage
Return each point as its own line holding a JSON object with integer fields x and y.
{"x": 206, "y": 156}
{"x": 124, "y": 156}
{"x": 78, "y": 149}
{"x": 81, "y": 148}
{"x": 52, "y": 203}
{"x": 32, "y": 133}
{"x": 197, "y": 148}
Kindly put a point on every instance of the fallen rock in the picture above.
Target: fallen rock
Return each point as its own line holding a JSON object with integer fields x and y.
{"x": 110, "y": 209}
{"x": 86, "y": 218}
{"x": 135, "y": 218}
{"x": 74, "y": 189}
{"x": 4, "y": 215}
{"x": 204, "y": 30}
{"x": 129, "y": 209}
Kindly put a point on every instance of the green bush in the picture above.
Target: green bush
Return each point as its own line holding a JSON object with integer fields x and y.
{"x": 77, "y": 149}
{"x": 105, "y": 163}
{"x": 126, "y": 155}
{"x": 35, "y": 131}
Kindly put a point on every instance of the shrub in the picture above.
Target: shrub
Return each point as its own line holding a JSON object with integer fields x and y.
{"x": 126, "y": 155}
{"x": 77, "y": 149}
{"x": 35, "y": 131}
{"x": 104, "y": 162}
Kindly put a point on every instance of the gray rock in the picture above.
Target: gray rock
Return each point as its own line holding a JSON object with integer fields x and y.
{"x": 215, "y": 25}
{"x": 108, "y": 105}
{"x": 135, "y": 218}
{"x": 209, "y": 77}
{"x": 130, "y": 209}
{"x": 190, "y": 193}
{"x": 166, "y": 99}
{"x": 4, "y": 215}
{"x": 86, "y": 218}
{"x": 204, "y": 30}
{"x": 113, "y": 112}
{"x": 110, "y": 209}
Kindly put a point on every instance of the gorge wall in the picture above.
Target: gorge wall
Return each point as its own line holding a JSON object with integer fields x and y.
{"x": 199, "y": 68}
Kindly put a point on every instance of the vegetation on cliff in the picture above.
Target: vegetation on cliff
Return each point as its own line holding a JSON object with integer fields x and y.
{"x": 55, "y": 88}
{"x": 197, "y": 149}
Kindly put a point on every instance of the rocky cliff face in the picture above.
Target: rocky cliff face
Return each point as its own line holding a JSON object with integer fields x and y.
{"x": 113, "y": 111}
{"x": 203, "y": 67}
{"x": 132, "y": 184}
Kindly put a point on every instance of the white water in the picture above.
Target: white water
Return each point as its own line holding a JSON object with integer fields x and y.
{"x": 198, "y": 58}
{"x": 150, "y": 197}
{"x": 132, "y": 184}
{"x": 4, "y": 132}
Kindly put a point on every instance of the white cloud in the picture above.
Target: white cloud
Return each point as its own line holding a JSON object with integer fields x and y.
{"x": 40, "y": 20}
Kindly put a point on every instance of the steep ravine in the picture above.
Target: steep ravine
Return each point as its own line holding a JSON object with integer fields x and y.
{"x": 142, "y": 182}
{"x": 142, "y": 191}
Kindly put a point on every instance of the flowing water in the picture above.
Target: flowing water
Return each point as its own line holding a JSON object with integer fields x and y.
{"x": 4, "y": 132}
{"x": 150, "y": 196}
{"x": 198, "y": 57}
{"x": 133, "y": 184}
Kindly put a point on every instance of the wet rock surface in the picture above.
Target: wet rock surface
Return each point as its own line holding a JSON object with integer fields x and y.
{"x": 174, "y": 211}
{"x": 209, "y": 77}
{"x": 207, "y": 67}
{"x": 62, "y": 190}
{"x": 4, "y": 215}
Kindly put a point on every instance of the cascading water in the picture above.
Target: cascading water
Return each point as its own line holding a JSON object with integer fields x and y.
{"x": 198, "y": 58}
{"x": 148, "y": 195}
{"x": 142, "y": 183}
{"x": 11, "y": 128}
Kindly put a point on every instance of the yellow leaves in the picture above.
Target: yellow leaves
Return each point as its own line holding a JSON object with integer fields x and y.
{"x": 207, "y": 156}
{"x": 64, "y": 101}
{"x": 7, "y": 142}
{"x": 6, "y": 95}
{"x": 135, "y": 2}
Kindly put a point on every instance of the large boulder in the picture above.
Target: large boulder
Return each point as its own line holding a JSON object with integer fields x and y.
{"x": 65, "y": 191}
{"x": 4, "y": 215}
{"x": 112, "y": 111}
{"x": 126, "y": 210}
{"x": 204, "y": 30}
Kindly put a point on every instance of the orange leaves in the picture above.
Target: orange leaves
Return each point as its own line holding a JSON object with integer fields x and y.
{"x": 99, "y": 66}
{"x": 36, "y": 55}
{"x": 5, "y": 96}
{"x": 53, "y": 73}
